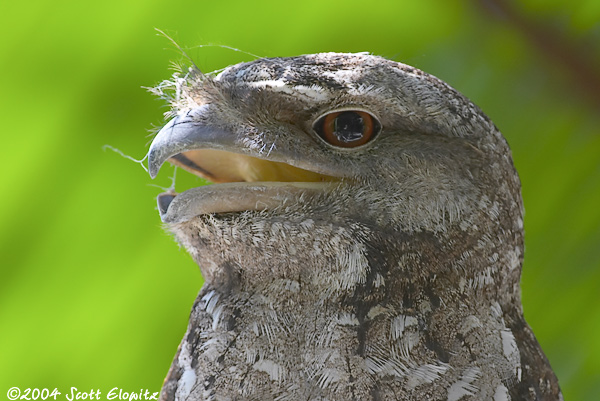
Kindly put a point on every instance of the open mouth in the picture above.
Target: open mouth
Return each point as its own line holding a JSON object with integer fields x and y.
{"x": 242, "y": 182}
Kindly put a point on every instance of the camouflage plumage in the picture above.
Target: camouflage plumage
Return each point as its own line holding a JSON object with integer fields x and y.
{"x": 388, "y": 271}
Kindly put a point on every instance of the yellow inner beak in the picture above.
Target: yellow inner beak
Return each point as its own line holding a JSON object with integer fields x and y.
{"x": 220, "y": 166}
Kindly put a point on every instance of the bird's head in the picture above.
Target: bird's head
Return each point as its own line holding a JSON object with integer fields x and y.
{"x": 328, "y": 151}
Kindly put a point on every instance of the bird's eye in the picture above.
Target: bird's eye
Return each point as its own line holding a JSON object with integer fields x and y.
{"x": 347, "y": 129}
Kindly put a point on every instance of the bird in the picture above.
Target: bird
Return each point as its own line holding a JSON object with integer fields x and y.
{"x": 362, "y": 238}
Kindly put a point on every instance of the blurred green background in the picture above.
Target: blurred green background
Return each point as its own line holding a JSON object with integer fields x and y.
{"x": 93, "y": 293}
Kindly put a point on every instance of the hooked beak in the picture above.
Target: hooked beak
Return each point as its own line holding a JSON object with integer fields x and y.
{"x": 248, "y": 179}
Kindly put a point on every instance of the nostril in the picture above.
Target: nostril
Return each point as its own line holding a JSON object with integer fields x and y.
{"x": 164, "y": 200}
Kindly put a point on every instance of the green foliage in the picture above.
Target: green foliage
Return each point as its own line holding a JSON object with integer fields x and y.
{"x": 93, "y": 294}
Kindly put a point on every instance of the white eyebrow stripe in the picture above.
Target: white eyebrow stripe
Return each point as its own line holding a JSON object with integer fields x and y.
{"x": 314, "y": 92}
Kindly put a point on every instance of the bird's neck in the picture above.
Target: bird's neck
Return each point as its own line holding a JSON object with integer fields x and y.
{"x": 310, "y": 303}
{"x": 349, "y": 262}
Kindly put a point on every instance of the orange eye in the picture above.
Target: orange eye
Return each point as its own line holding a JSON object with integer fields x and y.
{"x": 347, "y": 129}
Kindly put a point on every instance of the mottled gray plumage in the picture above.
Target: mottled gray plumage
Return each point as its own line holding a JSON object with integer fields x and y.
{"x": 389, "y": 271}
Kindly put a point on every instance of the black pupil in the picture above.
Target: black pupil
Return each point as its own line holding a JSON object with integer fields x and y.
{"x": 349, "y": 127}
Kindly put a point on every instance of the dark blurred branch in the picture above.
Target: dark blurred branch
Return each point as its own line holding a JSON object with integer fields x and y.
{"x": 573, "y": 57}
